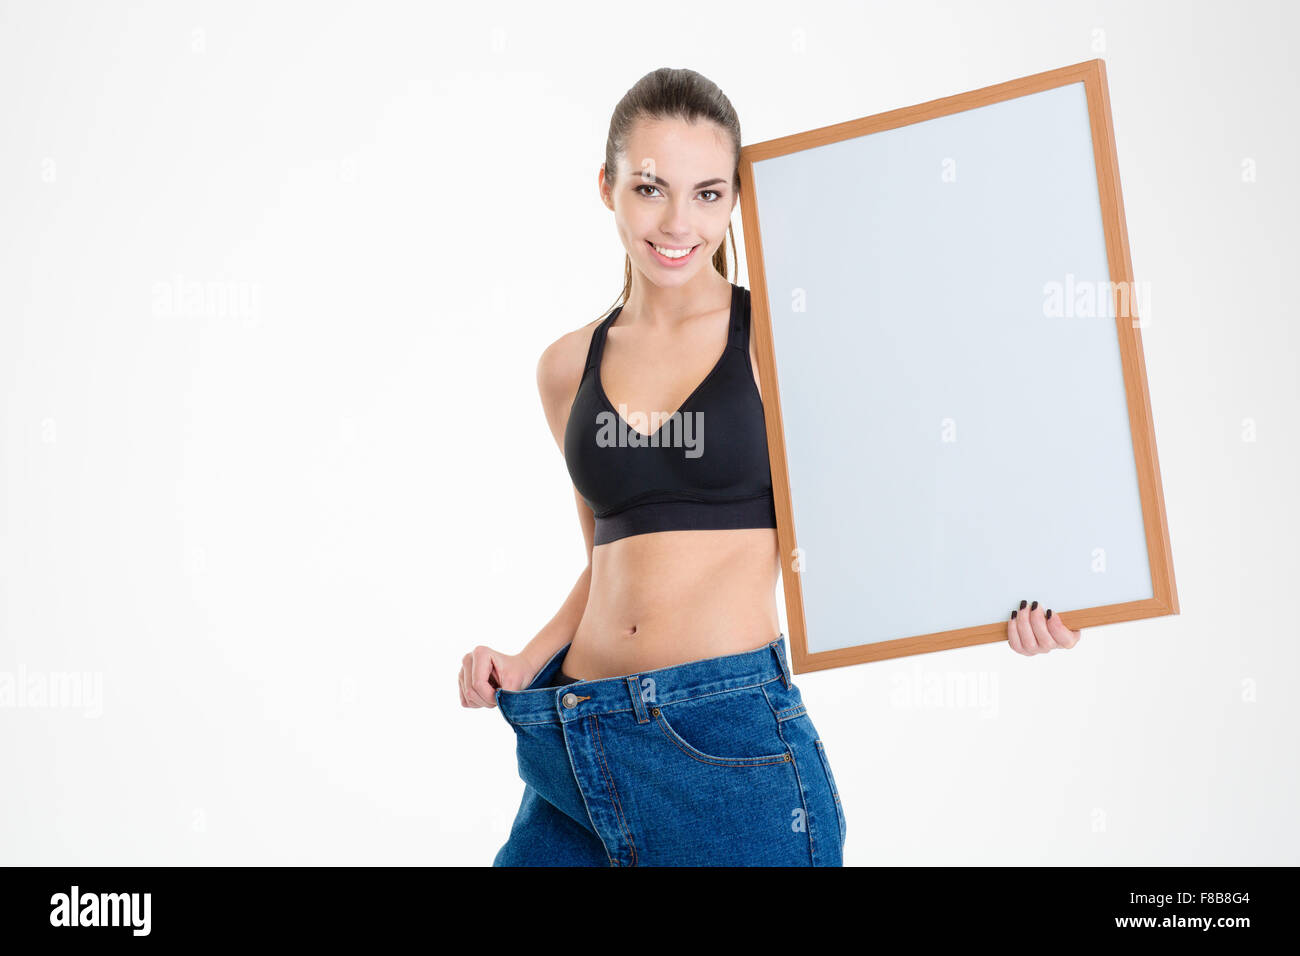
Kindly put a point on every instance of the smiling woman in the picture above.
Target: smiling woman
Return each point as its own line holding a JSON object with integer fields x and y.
{"x": 677, "y": 736}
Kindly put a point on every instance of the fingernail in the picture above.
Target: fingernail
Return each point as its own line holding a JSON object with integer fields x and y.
{"x": 1022, "y": 605}
{"x": 1049, "y": 613}
{"x": 1013, "y": 615}
{"x": 1034, "y": 605}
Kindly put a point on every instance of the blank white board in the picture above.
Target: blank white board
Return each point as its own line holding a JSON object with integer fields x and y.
{"x": 955, "y": 427}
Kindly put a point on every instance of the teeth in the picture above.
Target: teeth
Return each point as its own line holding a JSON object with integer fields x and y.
{"x": 672, "y": 253}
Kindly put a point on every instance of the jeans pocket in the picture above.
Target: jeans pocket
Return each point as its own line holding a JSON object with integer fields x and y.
{"x": 830, "y": 779}
{"x": 734, "y": 728}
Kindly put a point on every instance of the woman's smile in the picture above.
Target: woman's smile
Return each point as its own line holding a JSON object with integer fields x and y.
{"x": 675, "y": 257}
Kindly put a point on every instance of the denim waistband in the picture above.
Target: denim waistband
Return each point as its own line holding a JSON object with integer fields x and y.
{"x": 542, "y": 704}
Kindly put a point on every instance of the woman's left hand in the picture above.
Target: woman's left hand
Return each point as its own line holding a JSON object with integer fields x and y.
{"x": 1032, "y": 631}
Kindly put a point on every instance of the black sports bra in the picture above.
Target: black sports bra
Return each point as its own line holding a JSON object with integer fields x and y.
{"x": 705, "y": 466}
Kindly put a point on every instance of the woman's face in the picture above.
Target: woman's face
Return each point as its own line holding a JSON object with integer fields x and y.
{"x": 672, "y": 189}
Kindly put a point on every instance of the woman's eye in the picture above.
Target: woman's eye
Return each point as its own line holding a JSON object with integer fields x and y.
{"x": 714, "y": 192}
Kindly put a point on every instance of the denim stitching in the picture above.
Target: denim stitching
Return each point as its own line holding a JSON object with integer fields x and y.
{"x": 726, "y": 690}
{"x": 555, "y": 722}
{"x": 700, "y": 755}
{"x": 803, "y": 802}
{"x": 609, "y": 782}
{"x": 624, "y": 710}
{"x": 786, "y": 677}
{"x": 839, "y": 810}
{"x": 798, "y": 710}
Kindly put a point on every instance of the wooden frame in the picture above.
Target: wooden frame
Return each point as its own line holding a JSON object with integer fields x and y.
{"x": 1092, "y": 73}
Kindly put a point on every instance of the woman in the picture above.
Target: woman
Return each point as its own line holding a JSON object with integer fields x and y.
{"x": 656, "y": 719}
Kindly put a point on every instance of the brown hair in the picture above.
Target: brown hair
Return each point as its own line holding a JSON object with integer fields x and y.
{"x": 672, "y": 94}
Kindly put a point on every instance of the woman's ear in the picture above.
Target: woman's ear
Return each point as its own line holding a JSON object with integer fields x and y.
{"x": 602, "y": 187}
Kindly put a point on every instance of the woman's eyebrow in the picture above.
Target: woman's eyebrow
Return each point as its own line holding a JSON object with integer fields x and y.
{"x": 660, "y": 182}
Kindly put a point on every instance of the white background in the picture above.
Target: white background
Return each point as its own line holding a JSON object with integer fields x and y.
{"x": 259, "y": 526}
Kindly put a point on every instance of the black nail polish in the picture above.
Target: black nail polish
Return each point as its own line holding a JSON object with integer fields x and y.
{"x": 1049, "y": 613}
{"x": 1022, "y": 605}
{"x": 1013, "y": 615}
{"x": 1034, "y": 605}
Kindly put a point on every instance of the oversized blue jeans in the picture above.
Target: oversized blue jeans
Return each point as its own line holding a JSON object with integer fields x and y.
{"x": 709, "y": 763}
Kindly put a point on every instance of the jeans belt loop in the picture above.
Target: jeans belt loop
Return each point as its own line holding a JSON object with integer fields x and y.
{"x": 780, "y": 660}
{"x": 638, "y": 705}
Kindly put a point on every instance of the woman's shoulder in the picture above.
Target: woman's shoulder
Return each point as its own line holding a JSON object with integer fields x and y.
{"x": 559, "y": 373}
{"x": 560, "y": 366}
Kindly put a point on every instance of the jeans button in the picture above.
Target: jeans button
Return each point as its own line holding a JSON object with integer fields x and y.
{"x": 570, "y": 700}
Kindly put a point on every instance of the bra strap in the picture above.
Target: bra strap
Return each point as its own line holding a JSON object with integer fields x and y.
{"x": 739, "y": 319}
{"x": 597, "y": 345}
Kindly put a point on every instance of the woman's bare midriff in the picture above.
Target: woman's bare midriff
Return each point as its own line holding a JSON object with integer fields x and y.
{"x": 667, "y": 598}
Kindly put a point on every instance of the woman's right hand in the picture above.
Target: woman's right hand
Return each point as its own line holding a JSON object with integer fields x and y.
{"x": 483, "y": 670}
